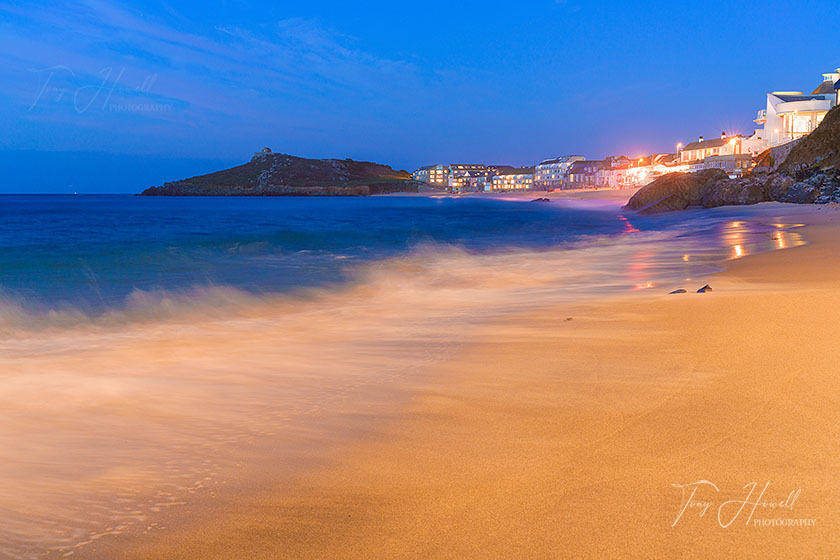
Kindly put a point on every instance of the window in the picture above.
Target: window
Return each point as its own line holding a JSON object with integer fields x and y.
{"x": 801, "y": 124}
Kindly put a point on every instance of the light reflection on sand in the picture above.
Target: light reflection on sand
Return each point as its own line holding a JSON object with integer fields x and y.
{"x": 106, "y": 422}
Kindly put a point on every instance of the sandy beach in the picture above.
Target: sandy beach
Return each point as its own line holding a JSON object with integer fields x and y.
{"x": 652, "y": 426}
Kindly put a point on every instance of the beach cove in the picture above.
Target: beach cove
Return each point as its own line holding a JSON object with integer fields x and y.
{"x": 576, "y": 429}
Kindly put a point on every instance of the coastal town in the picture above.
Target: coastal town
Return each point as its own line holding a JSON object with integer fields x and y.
{"x": 788, "y": 117}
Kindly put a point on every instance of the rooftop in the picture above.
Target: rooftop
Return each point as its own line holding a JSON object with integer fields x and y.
{"x": 560, "y": 159}
{"x": 787, "y": 98}
{"x": 581, "y": 166}
{"x": 517, "y": 171}
{"x": 825, "y": 87}
{"x": 713, "y": 143}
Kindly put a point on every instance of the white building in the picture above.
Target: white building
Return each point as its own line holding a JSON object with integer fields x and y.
{"x": 551, "y": 173}
{"x": 724, "y": 146}
{"x": 792, "y": 114}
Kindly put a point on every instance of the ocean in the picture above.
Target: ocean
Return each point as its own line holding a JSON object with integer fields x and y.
{"x": 93, "y": 254}
{"x": 147, "y": 345}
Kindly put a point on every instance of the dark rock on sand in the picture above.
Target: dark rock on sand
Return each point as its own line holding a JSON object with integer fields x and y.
{"x": 675, "y": 191}
{"x": 704, "y": 289}
{"x": 680, "y": 291}
{"x": 729, "y": 192}
{"x": 777, "y": 186}
{"x": 801, "y": 193}
{"x": 541, "y": 200}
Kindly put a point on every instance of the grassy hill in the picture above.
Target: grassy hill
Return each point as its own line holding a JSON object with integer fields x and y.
{"x": 270, "y": 174}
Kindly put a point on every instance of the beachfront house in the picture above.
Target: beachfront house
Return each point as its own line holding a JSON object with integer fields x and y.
{"x": 726, "y": 145}
{"x": 584, "y": 174}
{"x": 790, "y": 115}
{"x": 551, "y": 173}
{"x": 514, "y": 179}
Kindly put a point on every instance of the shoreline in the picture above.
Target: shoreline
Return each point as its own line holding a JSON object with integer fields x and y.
{"x": 542, "y": 443}
{"x": 603, "y": 194}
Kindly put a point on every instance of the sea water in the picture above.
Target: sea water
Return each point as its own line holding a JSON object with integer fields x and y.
{"x": 149, "y": 346}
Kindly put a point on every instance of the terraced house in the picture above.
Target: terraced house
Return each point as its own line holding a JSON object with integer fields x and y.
{"x": 514, "y": 179}
{"x": 584, "y": 174}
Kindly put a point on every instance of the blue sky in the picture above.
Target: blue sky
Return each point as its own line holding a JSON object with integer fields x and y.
{"x": 101, "y": 96}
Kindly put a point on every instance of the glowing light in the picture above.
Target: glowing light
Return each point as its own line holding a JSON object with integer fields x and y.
{"x": 686, "y": 258}
{"x": 628, "y": 227}
{"x": 738, "y": 250}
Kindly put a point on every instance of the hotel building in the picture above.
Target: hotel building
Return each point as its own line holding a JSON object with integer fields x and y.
{"x": 433, "y": 174}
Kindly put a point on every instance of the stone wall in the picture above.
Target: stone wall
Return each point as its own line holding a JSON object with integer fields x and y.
{"x": 780, "y": 153}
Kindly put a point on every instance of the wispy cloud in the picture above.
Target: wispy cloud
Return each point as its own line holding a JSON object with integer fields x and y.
{"x": 147, "y": 69}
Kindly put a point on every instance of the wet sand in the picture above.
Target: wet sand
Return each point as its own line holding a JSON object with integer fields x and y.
{"x": 562, "y": 432}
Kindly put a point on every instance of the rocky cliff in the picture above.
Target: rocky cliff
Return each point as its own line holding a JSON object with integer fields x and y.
{"x": 809, "y": 174}
{"x": 270, "y": 174}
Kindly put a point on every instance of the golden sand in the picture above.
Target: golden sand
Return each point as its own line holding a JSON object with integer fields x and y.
{"x": 566, "y": 438}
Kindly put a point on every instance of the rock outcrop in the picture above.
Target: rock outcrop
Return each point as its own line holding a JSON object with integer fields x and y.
{"x": 728, "y": 192}
{"x": 821, "y": 188}
{"x": 675, "y": 191}
{"x": 270, "y": 174}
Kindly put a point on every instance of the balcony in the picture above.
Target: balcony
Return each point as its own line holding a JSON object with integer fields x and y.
{"x": 807, "y": 106}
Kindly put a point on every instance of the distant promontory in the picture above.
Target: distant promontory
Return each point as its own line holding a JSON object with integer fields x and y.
{"x": 271, "y": 174}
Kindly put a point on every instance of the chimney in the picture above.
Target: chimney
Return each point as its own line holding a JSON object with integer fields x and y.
{"x": 701, "y": 138}
{"x": 723, "y": 135}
